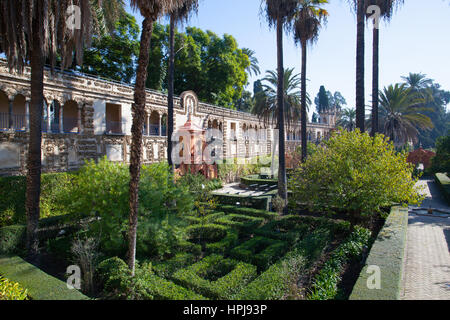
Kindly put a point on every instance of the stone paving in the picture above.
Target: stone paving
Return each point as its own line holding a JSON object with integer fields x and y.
{"x": 426, "y": 270}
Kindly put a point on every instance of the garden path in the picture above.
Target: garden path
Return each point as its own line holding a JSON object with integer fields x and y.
{"x": 426, "y": 269}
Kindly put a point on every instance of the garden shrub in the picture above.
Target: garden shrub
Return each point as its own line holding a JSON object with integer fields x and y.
{"x": 222, "y": 246}
{"x": 325, "y": 283}
{"x": 12, "y": 239}
{"x": 255, "y": 179}
{"x": 230, "y": 172}
{"x": 12, "y": 202}
{"x": 101, "y": 190}
{"x": 242, "y": 223}
{"x": 260, "y": 251}
{"x": 260, "y": 202}
{"x": 166, "y": 268}
{"x": 441, "y": 162}
{"x": 10, "y": 290}
{"x": 215, "y": 238}
{"x": 248, "y": 211}
{"x": 145, "y": 285}
{"x": 216, "y": 277}
{"x": 355, "y": 173}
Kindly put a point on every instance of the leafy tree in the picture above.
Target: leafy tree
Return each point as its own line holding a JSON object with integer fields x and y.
{"x": 278, "y": 13}
{"x": 354, "y": 173}
{"x": 441, "y": 162}
{"x": 246, "y": 102}
{"x": 308, "y": 19}
{"x": 114, "y": 55}
{"x": 401, "y": 114}
{"x": 322, "y": 100}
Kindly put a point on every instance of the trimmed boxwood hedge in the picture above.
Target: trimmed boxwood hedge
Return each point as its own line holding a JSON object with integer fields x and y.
{"x": 217, "y": 238}
{"x": 249, "y": 211}
{"x": 166, "y": 268}
{"x": 242, "y": 223}
{"x": 145, "y": 285}
{"x": 443, "y": 181}
{"x": 260, "y": 251}
{"x": 255, "y": 179}
{"x": 387, "y": 252}
{"x": 216, "y": 277}
{"x": 40, "y": 285}
{"x": 260, "y": 202}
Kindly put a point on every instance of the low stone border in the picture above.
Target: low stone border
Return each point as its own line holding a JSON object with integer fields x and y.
{"x": 386, "y": 256}
{"x": 40, "y": 285}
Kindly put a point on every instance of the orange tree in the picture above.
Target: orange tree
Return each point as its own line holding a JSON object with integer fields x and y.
{"x": 355, "y": 173}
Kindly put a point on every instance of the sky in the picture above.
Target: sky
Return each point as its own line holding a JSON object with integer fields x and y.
{"x": 416, "y": 40}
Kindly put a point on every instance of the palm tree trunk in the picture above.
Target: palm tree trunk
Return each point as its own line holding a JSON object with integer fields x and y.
{"x": 282, "y": 187}
{"x": 171, "y": 75}
{"x": 33, "y": 189}
{"x": 360, "y": 104}
{"x": 136, "y": 141}
{"x": 303, "y": 103}
{"x": 375, "y": 81}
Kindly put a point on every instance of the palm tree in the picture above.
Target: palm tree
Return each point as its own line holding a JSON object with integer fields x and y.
{"x": 309, "y": 18}
{"x": 417, "y": 81}
{"x": 347, "y": 119}
{"x": 31, "y": 32}
{"x": 359, "y": 7}
{"x": 400, "y": 114}
{"x": 386, "y": 12}
{"x": 178, "y": 15}
{"x": 253, "y": 68}
{"x": 151, "y": 10}
{"x": 277, "y": 13}
{"x": 266, "y": 105}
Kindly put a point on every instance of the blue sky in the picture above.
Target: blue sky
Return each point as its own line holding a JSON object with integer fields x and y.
{"x": 416, "y": 40}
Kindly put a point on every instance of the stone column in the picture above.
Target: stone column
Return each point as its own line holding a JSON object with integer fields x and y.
{"x": 10, "y": 115}
{"x": 48, "y": 119}
{"x": 160, "y": 128}
{"x": 148, "y": 125}
{"x": 61, "y": 118}
{"x": 27, "y": 115}
{"x": 79, "y": 107}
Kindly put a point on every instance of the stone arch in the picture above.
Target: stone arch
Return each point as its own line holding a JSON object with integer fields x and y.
{"x": 70, "y": 117}
{"x": 154, "y": 123}
{"x": 4, "y": 111}
{"x": 19, "y": 112}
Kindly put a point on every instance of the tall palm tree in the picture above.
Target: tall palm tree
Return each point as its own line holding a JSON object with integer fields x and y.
{"x": 309, "y": 18}
{"x": 266, "y": 104}
{"x": 401, "y": 114}
{"x": 359, "y": 7}
{"x": 176, "y": 16}
{"x": 253, "y": 68}
{"x": 30, "y": 32}
{"x": 151, "y": 10}
{"x": 347, "y": 119}
{"x": 386, "y": 12}
{"x": 417, "y": 81}
{"x": 277, "y": 13}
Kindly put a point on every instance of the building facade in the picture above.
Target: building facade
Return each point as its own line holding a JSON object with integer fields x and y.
{"x": 88, "y": 118}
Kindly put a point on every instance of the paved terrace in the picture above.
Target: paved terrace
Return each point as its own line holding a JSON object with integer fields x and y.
{"x": 426, "y": 273}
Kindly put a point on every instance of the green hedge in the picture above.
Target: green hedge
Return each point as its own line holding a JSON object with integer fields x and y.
{"x": 325, "y": 283}
{"x": 216, "y": 277}
{"x": 255, "y": 179}
{"x": 145, "y": 285}
{"x": 12, "y": 202}
{"x": 260, "y": 251}
{"x": 443, "y": 181}
{"x": 387, "y": 253}
{"x": 40, "y": 285}
{"x": 166, "y": 268}
{"x": 249, "y": 211}
{"x": 261, "y": 202}
{"x": 242, "y": 223}
{"x": 216, "y": 238}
